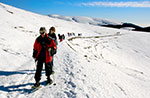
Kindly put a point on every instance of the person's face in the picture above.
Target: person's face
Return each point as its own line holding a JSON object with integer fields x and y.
{"x": 52, "y": 31}
{"x": 42, "y": 33}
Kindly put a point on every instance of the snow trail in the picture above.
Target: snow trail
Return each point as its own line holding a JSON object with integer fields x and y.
{"x": 102, "y": 63}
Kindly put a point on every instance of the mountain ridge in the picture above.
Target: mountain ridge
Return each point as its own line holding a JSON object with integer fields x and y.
{"x": 101, "y": 22}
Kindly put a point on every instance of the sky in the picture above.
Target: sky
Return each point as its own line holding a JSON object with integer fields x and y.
{"x": 132, "y": 11}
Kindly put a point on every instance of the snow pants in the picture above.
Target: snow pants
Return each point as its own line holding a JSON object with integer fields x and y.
{"x": 39, "y": 67}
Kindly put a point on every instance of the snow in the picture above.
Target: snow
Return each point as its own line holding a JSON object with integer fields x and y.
{"x": 102, "y": 63}
{"x": 86, "y": 20}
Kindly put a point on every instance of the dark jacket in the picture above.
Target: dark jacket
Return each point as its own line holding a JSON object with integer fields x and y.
{"x": 44, "y": 44}
{"x": 53, "y": 36}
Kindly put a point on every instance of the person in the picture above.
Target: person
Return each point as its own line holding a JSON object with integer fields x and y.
{"x": 63, "y": 37}
{"x": 52, "y": 34}
{"x": 43, "y": 53}
{"x": 60, "y": 38}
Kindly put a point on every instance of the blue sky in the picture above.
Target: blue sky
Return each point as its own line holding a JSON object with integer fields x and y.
{"x": 134, "y": 11}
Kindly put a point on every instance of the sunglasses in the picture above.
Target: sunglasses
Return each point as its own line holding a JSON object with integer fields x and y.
{"x": 42, "y": 32}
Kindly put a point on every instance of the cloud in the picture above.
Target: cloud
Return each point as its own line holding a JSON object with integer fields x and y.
{"x": 145, "y": 4}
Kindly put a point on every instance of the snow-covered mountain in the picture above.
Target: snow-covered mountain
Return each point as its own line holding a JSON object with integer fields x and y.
{"x": 102, "y": 63}
{"x": 86, "y": 20}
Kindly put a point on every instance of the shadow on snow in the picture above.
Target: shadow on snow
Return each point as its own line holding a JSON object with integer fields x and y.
{"x": 8, "y": 73}
{"x": 15, "y": 88}
{"x": 21, "y": 88}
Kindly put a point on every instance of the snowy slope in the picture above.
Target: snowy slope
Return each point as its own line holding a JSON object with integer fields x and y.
{"x": 102, "y": 63}
{"x": 86, "y": 20}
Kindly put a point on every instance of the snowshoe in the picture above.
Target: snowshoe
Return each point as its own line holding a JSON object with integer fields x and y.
{"x": 49, "y": 81}
{"x": 53, "y": 72}
{"x": 36, "y": 85}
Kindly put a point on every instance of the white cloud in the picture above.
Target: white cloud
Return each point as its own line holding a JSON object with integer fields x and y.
{"x": 117, "y": 4}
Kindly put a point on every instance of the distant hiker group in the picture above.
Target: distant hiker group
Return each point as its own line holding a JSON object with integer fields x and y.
{"x": 73, "y": 34}
{"x": 45, "y": 47}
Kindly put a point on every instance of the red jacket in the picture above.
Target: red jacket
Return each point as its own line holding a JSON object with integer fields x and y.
{"x": 37, "y": 48}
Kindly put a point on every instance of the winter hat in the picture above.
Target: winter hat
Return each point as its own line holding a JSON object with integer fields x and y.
{"x": 42, "y": 29}
{"x": 52, "y": 29}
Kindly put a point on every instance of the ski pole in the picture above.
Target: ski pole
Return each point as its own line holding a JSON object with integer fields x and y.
{"x": 54, "y": 79}
{"x": 35, "y": 64}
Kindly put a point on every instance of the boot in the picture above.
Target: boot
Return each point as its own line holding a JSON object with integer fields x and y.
{"x": 37, "y": 84}
{"x": 49, "y": 81}
{"x": 53, "y": 72}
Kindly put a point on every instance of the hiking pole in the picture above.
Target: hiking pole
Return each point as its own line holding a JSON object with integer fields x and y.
{"x": 35, "y": 61}
{"x": 54, "y": 79}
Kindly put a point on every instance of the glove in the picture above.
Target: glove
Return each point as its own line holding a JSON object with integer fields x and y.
{"x": 52, "y": 51}
{"x": 35, "y": 59}
{"x": 49, "y": 50}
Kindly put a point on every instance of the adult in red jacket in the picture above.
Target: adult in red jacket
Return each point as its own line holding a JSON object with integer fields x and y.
{"x": 44, "y": 49}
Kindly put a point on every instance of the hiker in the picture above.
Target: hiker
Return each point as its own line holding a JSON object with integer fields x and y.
{"x": 44, "y": 47}
{"x": 60, "y": 37}
{"x": 52, "y": 35}
{"x": 63, "y": 37}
